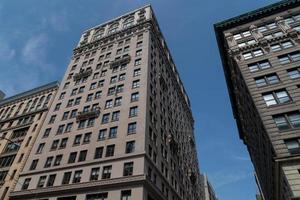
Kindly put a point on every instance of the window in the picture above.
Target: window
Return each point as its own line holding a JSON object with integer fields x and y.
{"x": 90, "y": 122}
{"x": 294, "y": 73}
{"x": 81, "y": 124}
{"x": 242, "y": 35}
{"x": 113, "y": 132}
{"x": 276, "y": 97}
{"x": 82, "y": 156}
{"x": 138, "y": 62}
{"x": 133, "y": 112}
{"x": 40, "y": 148}
{"x": 266, "y": 80}
{"x": 87, "y": 137}
{"x": 63, "y": 143}
{"x": 121, "y": 77}
{"x": 81, "y": 90}
{"x": 77, "y": 101}
{"x": 109, "y": 104}
{"x": 118, "y": 101}
{"x": 252, "y": 54}
{"x": 94, "y": 174}
{"x": 111, "y": 91}
{"x": 290, "y": 57}
{"x": 33, "y": 164}
{"x": 57, "y": 107}
{"x": 48, "y": 162}
{"x": 282, "y": 45}
{"x": 287, "y": 121}
{"x": 135, "y": 84}
{"x": 249, "y": 42}
{"x": 66, "y": 178}
{"x": 65, "y": 115}
{"x": 131, "y": 128}
{"x": 105, "y": 118}
{"x": 47, "y": 132}
{"x": 128, "y": 169}
{"x": 126, "y": 195}
{"x": 113, "y": 79}
{"x": 265, "y": 64}
{"x": 98, "y": 196}
{"x": 69, "y": 127}
{"x": 62, "y": 95}
{"x": 126, "y": 49}
{"x": 57, "y": 160}
{"x": 60, "y": 129}
{"x": 26, "y": 183}
{"x": 128, "y": 22}
{"x": 110, "y": 150}
{"x": 51, "y": 180}
{"x": 130, "y": 147}
{"x": 102, "y": 134}
{"x": 115, "y": 116}
{"x": 54, "y": 145}
{"x": 136, "y": 72}
{"x": 52, "y": 119}
{"x": 98, "y": 95}
{"x": 72, "y": 157}
{"x": 77, "y": 176}
{"x": 134, "y": 96}
{"x": 139, "y": 44}
{"x": 119, "y": 89}
{"x": 106, "y": 172}
{"x": 77, "y": 139}
{"x": 98, "y": 152}
{"x": 138, "y": 52}
{"x": 89, "y": 97}
{"x": 293, "y": 145}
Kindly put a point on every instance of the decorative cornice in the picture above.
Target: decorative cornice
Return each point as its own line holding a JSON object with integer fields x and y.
{"x": 28, "y": 93}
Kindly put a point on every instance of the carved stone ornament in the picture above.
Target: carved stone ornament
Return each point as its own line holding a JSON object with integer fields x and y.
{"x": 282, "y": 24}
{"x": 256, "y": 34}
{"x": 230, "y": 40}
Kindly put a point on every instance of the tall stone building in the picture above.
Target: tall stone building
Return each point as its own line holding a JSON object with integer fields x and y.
{"x": 21, "y": 118}
{"x": 260, "y": 51}
{"x": 121, "y": 125}
{"x": 208, "y": 190}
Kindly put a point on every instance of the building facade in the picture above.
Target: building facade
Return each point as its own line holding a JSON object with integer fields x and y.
{"x": 208, "y": 190}
{"x": 21, "y": 118}
{"x": 120, "y": 126}
{"x": 260, "y": 51}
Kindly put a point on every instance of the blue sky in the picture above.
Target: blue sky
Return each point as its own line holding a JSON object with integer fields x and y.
{"x": 36, "y": 42}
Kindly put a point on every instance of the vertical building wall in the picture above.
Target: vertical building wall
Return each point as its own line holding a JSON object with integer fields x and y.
{"x": 21, "y": 117}
{"x": 121, "y": 121}
{"x": 260, "y": 53}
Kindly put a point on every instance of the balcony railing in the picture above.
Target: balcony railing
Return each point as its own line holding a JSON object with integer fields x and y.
{"x": 93, "y": 113}
{"x": 82, "y": 74}
{"x": 121, "y": 61}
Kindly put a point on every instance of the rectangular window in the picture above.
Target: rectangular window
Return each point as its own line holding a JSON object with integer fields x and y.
{"x": 126, "y": 195}
{"x": 87, "y": 137}
{"x": 106, "y": 172}
{"x": 266, "y": 80}
{"x": 102, "y": 134}
{"x": 94, "y": 174}
{"x": 51, "y": 180}
{"x": 290, "y": 57}
{"x": 276, "y": 97}
{"x": 77, "y": 176}
{"x": 113, "y": 132}
{"x": 109, "y": 104}
{"x": 134, "y": 97}
{"x": 40, "y": 148}
{"x": 82, "y": 156}
{"x": 265, "y": 64}
{"x": 135, "y": 84}
{"x": 41, "y": 182}
{"x": 130, "y": 147}
{"x": 98, "y": 196}
{"x": 115, "y": 116}
{"x": 287, "y": 121}
{"x": 57, "y": 160}
{"x": 293, "y": 145}
{"x": 77, "y": 139}
{"x": 66, "y": 178}
{"x": 128, "y": 169}
{"x": 138, "y": 62}
{"x": 33, "y": 164}
{"x": 26, "y": 183}
{"x": 72, "y": 157}
{"x": 118, "y": 101}
{"x": 294, "y": 73}
{"x": 133, "y": 111}
{"x": 131, "y": 128}
{"x": 110, "y": 150}
{"x": 105, "y": 118}
{"x": 98, "y": 152}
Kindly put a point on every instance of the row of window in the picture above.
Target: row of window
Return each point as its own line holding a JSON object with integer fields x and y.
{"x": 56, "y": 161}
{"x": 67, "y": 177}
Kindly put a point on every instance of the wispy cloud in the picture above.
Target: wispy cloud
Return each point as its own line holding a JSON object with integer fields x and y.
{"x": 59, "y": 21}
{"x": 224, "y": 177}
{"x": 6, "y": 51}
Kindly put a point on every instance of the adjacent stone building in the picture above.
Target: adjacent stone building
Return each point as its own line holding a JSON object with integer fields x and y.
{"x": 208, "y": 190}
{"x": 260, "y": 51}
{"x": 121, "y": 125}
{"x": 21, "y": 117}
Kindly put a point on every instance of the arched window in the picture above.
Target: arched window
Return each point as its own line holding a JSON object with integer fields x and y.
{"x": 128, "y": 22}
{"x": 98, "y": 34}
{"x": 113, "y": 28}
